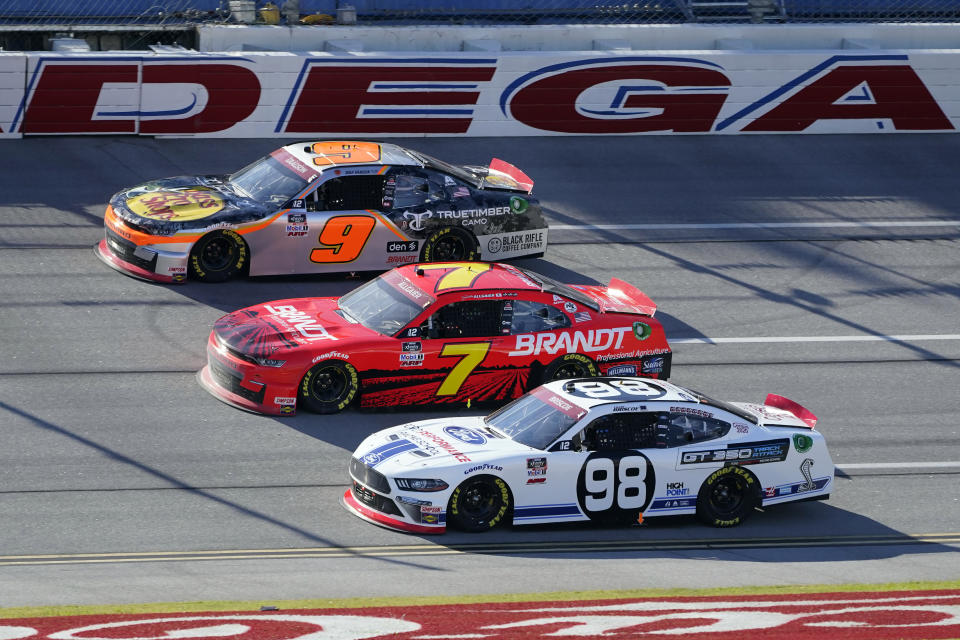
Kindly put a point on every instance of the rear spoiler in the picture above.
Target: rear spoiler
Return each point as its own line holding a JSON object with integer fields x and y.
{"x": 798, "y": 410}
{"x": 505, "y": 167}
{"x": 631, "y": 299}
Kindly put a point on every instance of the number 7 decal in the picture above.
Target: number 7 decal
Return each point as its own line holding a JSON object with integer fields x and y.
{"x": 472, "y": 354}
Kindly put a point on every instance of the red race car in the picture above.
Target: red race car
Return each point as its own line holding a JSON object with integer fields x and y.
{"x": 447, "y": 333}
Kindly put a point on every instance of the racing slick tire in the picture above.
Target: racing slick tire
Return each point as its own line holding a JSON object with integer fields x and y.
{"x": 570, "y": 365}
{"x": 218, "y": 256}
{"x": 328, "y": 387}
{"x": 450, "y": 244}
{"x": 479, "y": 504}
{"x": 727, "y": 496}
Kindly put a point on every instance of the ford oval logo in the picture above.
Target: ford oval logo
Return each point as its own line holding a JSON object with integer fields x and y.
{"x": 463, "y": 434}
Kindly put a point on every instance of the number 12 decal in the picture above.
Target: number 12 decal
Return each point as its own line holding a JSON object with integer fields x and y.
{"x": 610, "y": 484}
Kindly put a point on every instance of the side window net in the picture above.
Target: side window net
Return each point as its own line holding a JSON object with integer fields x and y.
{"x": 350, "y": 193}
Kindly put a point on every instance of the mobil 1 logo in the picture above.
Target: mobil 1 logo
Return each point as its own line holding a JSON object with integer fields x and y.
{"x": 615, "y": 486}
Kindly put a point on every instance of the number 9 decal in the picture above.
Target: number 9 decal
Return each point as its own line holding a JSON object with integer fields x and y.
{"x": 343, "y": 238}
{"x": 615, "y": 487}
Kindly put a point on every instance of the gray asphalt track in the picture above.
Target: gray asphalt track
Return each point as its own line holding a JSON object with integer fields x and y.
{"x": 109, "y": 446}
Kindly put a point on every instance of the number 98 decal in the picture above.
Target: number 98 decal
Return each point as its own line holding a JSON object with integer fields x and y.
{"x": 617, "y": 485}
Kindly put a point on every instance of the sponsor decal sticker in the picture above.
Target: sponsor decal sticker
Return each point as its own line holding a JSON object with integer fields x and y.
{"x": 465, "y": 434}
{"x": 398, "y": 246}
{"x": 569, "y": 342}
{"x": 412, "y": 346}
{"x": 411, "y": 359}
{"x": 746, "y": 453}
{"x": 802, "y": 442}
{"x": 569, "y": 307}
{"x": 622, "y": 370}
{"x": 483, "y": 467}
{"x": 536, "y": 470}
{"x": 430, "y": 514}
{"x": 518, "y": 205}
{"x": 653, "y": 365}
{"x": 641, "y": 330}
{"x": 179, "y": 206}
{"x": 307, "y": 326}
{"x": 284, "y": 400}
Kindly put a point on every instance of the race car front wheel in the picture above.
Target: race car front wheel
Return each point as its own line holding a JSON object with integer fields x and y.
{"x": 218, "y": 256}
{"x": 450, "y": 244}
{"x": 727, "y": 496}
{"x": 479, "y": 503}
{"x": 329, "y": 387}
{"x": 570, "y": 365}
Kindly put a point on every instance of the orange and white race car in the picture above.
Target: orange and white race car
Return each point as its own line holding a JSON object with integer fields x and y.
{"x": 321, "y": 207}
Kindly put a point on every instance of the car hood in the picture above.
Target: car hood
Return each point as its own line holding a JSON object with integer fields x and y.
{"x": 259, "y": 331}
{"x": 443, "y": 442}
{"x": 163, "y": 207}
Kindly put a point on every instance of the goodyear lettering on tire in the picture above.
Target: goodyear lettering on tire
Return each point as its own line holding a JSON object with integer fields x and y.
{"x": 354, "y": 385}
{"x": 584, "y": 360}
{"x": 431, "y": 243}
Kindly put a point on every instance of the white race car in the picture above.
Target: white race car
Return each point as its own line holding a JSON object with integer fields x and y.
{"x": 613, "y": 450}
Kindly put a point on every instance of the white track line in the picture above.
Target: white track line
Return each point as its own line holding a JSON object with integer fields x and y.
{"x": 759, "y": 339}
{"x": 878, "y": 224}
{"x": 900, "y": 465}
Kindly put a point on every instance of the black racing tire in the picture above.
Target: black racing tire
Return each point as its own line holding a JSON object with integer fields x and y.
{"x": 218, "y": 256}
{"x": 480, "y": 503}
{"x": 570, "y": 365}
{"x": 450, "y": 244}
{"x": 328, "y": 387}
{"x": 727, "y": 496}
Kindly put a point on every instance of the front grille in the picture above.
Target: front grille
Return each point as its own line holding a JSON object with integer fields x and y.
{"x": 365, "y": 474}
{"x": 374, "y": 500}
{"x": 124, "y": 249}
{"x": 230, "y": 380}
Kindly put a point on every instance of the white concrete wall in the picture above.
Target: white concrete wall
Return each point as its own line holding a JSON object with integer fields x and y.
{"x": 725, "y": 80}
{"x": 641, "y": 37}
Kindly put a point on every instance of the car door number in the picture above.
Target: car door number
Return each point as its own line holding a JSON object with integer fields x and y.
{"x": 612, "y": 483}
{"x": 343, "y": 239}
{"x": 472, "y": 354}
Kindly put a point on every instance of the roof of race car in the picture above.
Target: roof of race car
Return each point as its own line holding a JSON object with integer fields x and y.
{"x": 442, "y": 277}
{"x": 327, "y": 153}
{"x": 660, "y": 391}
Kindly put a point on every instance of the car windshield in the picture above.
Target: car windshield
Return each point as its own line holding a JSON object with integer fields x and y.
{"x": 268, "y": 181}
{"x": 536, "y": 419}
{"x": 385, "y": 304}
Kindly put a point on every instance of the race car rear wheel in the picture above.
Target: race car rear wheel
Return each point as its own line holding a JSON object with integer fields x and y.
{"x": 727, "y": 496}
{"x": 218, "y": 256}
{"x": 479, "y": 504}
{"x": 570, "y": 365}
{"x": 450, "y": 244}
{"x": 329, "y": 386}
